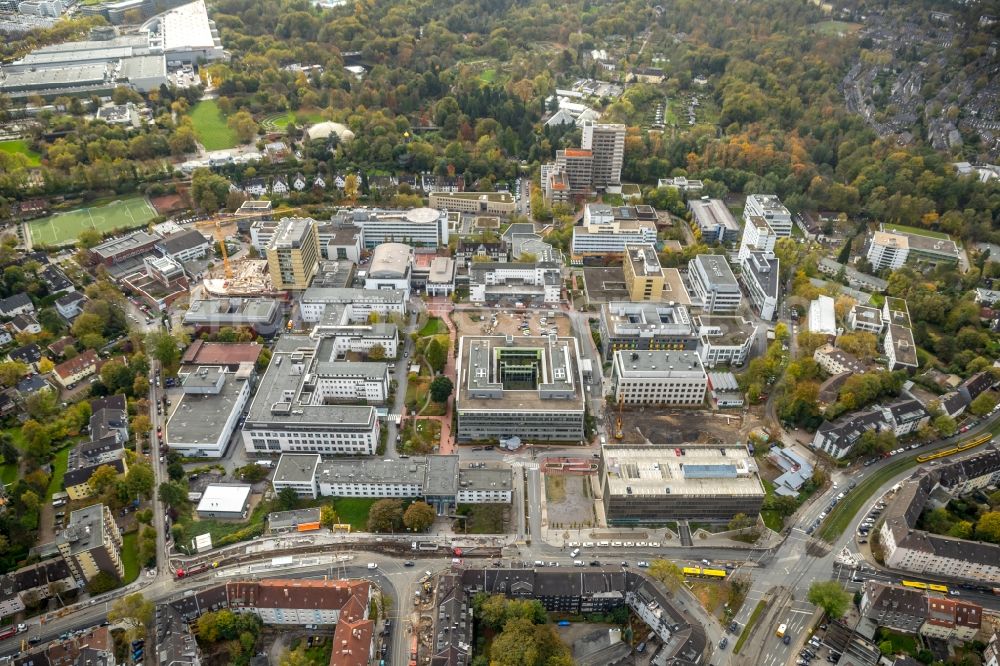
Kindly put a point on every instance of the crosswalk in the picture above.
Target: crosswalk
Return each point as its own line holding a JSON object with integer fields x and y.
{"x": 514, "y": 461}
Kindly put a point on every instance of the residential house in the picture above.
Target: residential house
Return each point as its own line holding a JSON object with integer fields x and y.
{"x": 69, "y": 373}
{"x": 299, "y": 182}
{"x": 58, "y": 348}
{"x": 905, "y": 416}
{"x": 951, "y": 619}
{"x": 838, "y": 437}
{"x": 898, "y": 608}
{"x": 279, "y": 186}
{"x": 25, "y": 323}
{"x": 30, "y": 355}
{"x": 255, "y": 187}
{"x": 70, "y": 305}
{"x": 319, "y": 182}
{"x": 15, "y": 305}
{"x": 32, "y": 384}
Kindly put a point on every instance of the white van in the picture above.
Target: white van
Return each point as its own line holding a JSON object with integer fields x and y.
{"x": 577, "y": 563}
{"x": 575, "y": 553}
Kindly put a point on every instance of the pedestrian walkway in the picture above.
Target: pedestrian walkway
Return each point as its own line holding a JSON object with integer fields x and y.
{"x": 685, "y": 533}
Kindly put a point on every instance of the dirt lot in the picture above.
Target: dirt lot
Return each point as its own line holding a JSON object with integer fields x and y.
{"x": 568, "y": 501}
{"x": 679, "y": 426}
{"x": 480, "y": 322}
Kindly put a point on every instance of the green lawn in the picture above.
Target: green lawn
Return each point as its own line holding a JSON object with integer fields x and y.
{"x": 130, "y": 556}
{"x": 8, "y": 473}
{"x": 210, "y": 126}
{"x": 754, "y": 616}
{"x": 845, "y": 511}
{"x": 481, "y": 518}
{"x": 434, "y": 326}
{"x": 488, "y": 75}
{"x": 16, "y": 437}
{"x": 916, "y": 231}
{"x": 59, "y": 462}
{"x": 20, "y": 147}
{"x": 63, "y": 228}
{"x": 901, "y": 643}
{"x": 280, "y": 121}
{"x": 354, "y": 510}
{"x": 836, "y": 28}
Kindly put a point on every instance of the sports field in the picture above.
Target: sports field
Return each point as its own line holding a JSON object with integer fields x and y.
{"x": 63, "y": 228}
{"x": 210, "y": 126}
{"x": 20, "y": 146}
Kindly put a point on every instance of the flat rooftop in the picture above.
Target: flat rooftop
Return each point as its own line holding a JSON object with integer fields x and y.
{"x": 296, "y": 467}
{"x": 85, "y": 529}
{"x": 722, "y": 330}
{"x": 291, "y": 232}
{"x": 700, "y": 471}
{"x": 485, "y": 478}
{"x": 659, "y": 364}
{"x": 116, "y": 246}
{"x": 350, "y": 295}
{"x": 409, "y": 471}
{"x": 646, "y": 319}
{"x": 280, "y": 396}
{"x": 903, "y": 345}
{"x": 496, "y": 197}
{"x": 187, "y": 27}
{"x": 199, "y": 417}
{"x": 519, "y": 373}
{"x": 765, "y": 271}
{"x": 769, "y": 203}
{"x": 921, "y": 243}
{"x": 643, "y": 259}
{"x": 221, "y": 309}
{"x": 224, "y": 497}
{"x": 716, "y": 272}
{"x": 712, "y": 213}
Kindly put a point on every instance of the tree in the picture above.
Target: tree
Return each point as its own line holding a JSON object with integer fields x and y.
{"x": 945, "y": 425}
{"x": 140, "y": 481}
{"x": 829, "y": 596}
{"x": 288, "y": 499}
{"x": 328, "y": 516}
{"x": 244, "y": 125}
{"x": 419, "y": 516}
{"x": 296, "y": 657}
{"x": 11, "y": 372}
{"x": 173, "y": 494}
{"x": 385, "y": 515}
{"x": 435, "y": 354}
{"x": 741, "y": 521}
{"x": 88, "y": 238}
{"x": 8, "y": 451}
{"x": 988, "y": 527}
{"x": 351, "y": 187}
{"x": 134, "y": 607}
{"x": 983, "y": 404}
{"x": 667, "y": 573}
{"x": 45, "y": 366}
{"x": 101, "y": 583}
{"x": 141, "y": 425}
{"x": 163, "y": 347}
{"x": 103, "y": 478}
{"x": 376, "y": 352}
{"x": 441, "y": 388}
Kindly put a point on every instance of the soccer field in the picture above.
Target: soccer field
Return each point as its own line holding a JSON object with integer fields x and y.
{"x": 63, "y": 228}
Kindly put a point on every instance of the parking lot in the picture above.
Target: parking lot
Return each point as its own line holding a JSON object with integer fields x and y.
{"x": 510, "y": 322}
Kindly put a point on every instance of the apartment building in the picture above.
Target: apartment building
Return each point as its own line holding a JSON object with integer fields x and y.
{"x": 644, "y": 277}
{"x": 715, "y": 222}
{"x": 921, "y": 552}
{"x": 905, "y": 416}
{"x": 289, "y": 412}
{"x": 898, "y": 608}
{"x": 834, "y": 360}
{"x": 86, "y": 458}
{"x": 713, "y": 285}
{"x": 91, "y": 544}
{"x": 762, "y": 279}
{"x": 925, "y": 247}
{"x": 658, "y": 378}
{"x": 607, "y": 144}
{"x": 769, "y": 207}
{"x": 838, "y": 437}
{"x": 293, "y": 254}
{"x": 887, "y": 251}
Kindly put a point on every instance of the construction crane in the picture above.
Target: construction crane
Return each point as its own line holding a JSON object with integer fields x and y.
{"x": 217, "y": 225}
{"x": 619, "y": 433}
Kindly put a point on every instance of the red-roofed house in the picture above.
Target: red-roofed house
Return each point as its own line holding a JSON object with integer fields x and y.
{"x": 352, "y": 643}
{"x": 295, "y": 601}
{"x": 951, "y": 618}
{"x": 77, "y": 368}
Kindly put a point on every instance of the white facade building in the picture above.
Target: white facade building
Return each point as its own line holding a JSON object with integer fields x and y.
{"x": 724, "y": 340}
{"x": 419, "y": 227}
{"x": 769, "y": 207}
{"x": 757, "y": 236}
{"x": 522, "y": 282}
{"x": 348, "y": 381}
{"x": 822, "y": 316}
{"x": 865, "y": 318}
{"x": 762, "y": 280}
{"x": 205, "y": 418}
{"x": 888, "y": 251}
{"x": 658, "y": 378}
{"x": 602, "y": 234}
{"x": 713, "y": 284}
{"x": 360, "y": 303}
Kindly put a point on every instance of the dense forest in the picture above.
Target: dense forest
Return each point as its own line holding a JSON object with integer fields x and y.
{"x": 461, "y": 89}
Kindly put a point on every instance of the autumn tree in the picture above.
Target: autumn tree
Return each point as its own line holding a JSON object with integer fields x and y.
{"x": 830, "y": 596}
{"x": 667, "y": 573}
{"x": 419, "y": 516}
{"x": 385, "y": 515}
